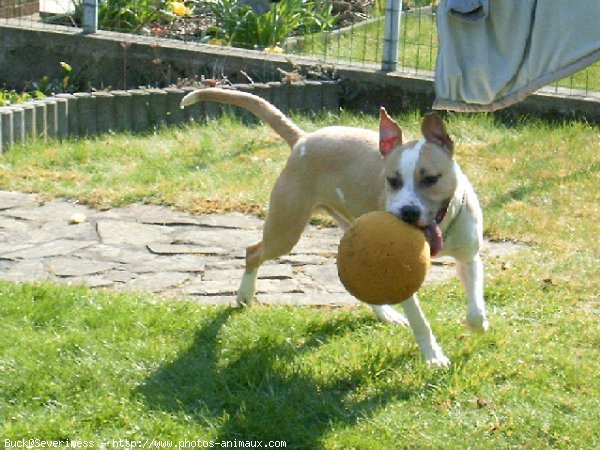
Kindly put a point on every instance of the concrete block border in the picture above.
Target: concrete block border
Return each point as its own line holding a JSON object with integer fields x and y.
{"x": 86, "y": 114}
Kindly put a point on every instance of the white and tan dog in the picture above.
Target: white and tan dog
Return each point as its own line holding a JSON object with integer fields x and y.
{"x": 350, "y": 171}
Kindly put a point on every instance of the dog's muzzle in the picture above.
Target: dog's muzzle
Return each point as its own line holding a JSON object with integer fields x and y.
{"x": 433, "y": 234}
{"x": 410, "y": 214}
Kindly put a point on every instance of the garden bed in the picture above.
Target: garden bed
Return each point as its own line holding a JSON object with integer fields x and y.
{"x": 245, "y": 24}
{"x": 18, "y": 8}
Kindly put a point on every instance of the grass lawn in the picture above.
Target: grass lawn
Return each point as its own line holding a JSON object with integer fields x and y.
{"x": 83, "y": 364}
{"x": 418, "y": 48}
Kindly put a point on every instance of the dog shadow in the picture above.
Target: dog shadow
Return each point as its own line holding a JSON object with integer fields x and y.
{"x": 245, "y": 394}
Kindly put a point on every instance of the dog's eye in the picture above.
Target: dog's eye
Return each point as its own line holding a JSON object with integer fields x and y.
{"x": 430, "y": 180}
{"x": 395, "y": 182}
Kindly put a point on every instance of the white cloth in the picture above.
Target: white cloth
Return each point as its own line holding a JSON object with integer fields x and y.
{"x": 494, "y": 55}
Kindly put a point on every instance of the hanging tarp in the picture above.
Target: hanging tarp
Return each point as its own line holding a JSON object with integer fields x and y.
{"x": 493, "y": 54}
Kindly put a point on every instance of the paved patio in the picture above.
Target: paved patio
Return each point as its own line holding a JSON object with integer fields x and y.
{"x": 156, "y": 249}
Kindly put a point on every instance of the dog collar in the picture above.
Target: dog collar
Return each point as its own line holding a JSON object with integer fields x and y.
{"x": 456, "y": 216}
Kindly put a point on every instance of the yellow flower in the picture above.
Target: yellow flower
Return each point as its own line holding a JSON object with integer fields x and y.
{"x": 179, "y": 8}
{"x": 274, "y": 49}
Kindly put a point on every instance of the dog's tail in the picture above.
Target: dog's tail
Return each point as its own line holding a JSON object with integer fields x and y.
{"x": 253, "y": 103}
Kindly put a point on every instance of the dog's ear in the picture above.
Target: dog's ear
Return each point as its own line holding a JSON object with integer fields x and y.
{"x": 434, "y": 131}
{"x": 390, "y": 133}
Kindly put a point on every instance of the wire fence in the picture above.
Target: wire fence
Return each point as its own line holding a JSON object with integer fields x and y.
{"x": 361, "y": 43}
{"x": 334, "y": 32}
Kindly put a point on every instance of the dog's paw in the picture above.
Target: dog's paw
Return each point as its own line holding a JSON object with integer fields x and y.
{"x": 439, "y": 360}
{"x": 244, "y": 300}
{"x": 477, "y": 323}
{"x": 432, "y": 353}
{"x": 387, "y": 314}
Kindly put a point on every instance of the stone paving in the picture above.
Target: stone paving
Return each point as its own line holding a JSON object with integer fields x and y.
{"x": 156, "y": 249}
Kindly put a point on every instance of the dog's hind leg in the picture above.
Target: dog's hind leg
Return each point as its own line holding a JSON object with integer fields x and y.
{"x": 247, "y": 289}
{"x": 289, "y": 213}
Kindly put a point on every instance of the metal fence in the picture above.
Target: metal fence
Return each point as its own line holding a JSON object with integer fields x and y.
{"x": 359, "y": 36}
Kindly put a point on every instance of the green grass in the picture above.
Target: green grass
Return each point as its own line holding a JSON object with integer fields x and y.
{"x": 188, "y": 168}
{"x": 82, "y": 364}
{"x": 90, "y": 365}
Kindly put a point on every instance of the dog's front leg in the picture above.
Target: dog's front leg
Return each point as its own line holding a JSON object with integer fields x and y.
{"x": 471, "y": 276}
{"x": 432, "y": 352}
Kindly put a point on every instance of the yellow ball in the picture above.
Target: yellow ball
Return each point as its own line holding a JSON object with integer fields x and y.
{"x": 381, "y": 259}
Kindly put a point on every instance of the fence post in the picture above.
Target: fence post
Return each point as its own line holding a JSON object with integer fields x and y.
{"x": 90, "y": 16}
{"x": 393, "y": 10}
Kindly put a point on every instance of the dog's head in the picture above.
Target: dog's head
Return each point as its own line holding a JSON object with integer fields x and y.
{"x": 420, "y": 175}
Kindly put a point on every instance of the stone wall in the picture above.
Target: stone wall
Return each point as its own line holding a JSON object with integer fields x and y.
{"x": 32, "y": 50}
{"x": 123, "y": 61}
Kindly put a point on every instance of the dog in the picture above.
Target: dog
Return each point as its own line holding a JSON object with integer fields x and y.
{"x": 350, "y": 171}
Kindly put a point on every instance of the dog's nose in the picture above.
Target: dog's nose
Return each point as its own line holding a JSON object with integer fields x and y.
{"x": 410, "y": 214}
